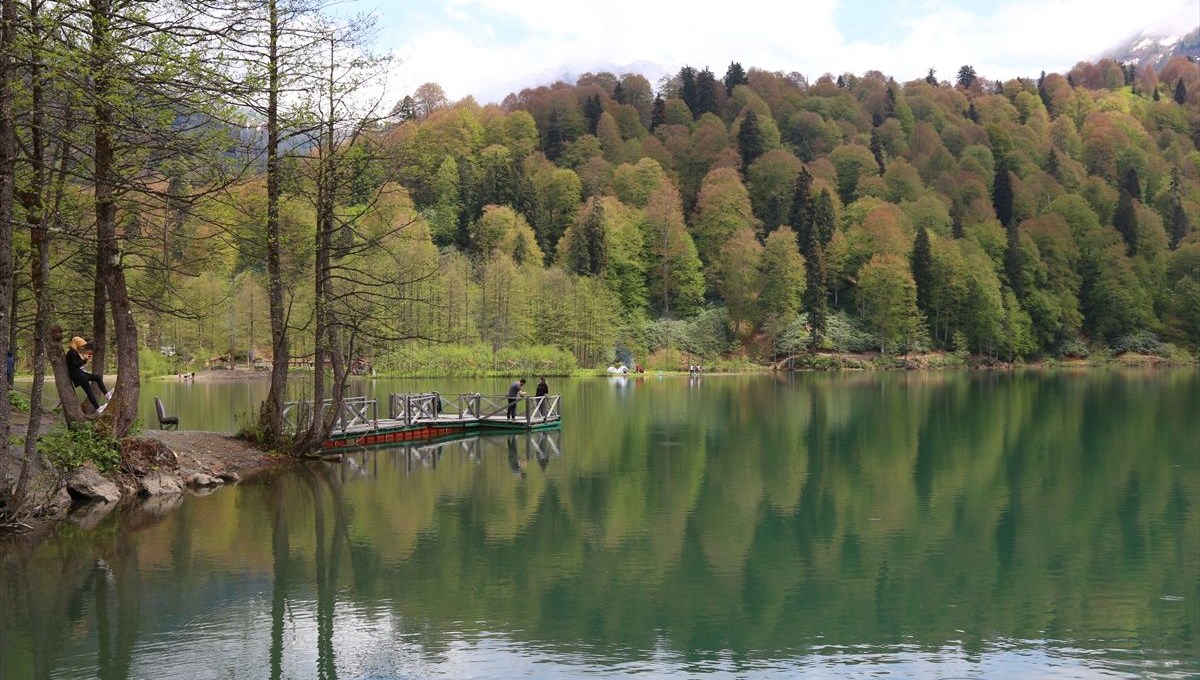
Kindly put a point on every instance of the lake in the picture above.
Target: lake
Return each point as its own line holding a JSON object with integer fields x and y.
{"x": 949, "y": 525}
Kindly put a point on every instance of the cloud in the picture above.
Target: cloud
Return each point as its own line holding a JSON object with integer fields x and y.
{"x": 487, "y": 48}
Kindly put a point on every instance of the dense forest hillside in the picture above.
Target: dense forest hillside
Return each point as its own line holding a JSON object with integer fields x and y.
{"x": 1040, "y": 217}
{"x": 751, "y": 216}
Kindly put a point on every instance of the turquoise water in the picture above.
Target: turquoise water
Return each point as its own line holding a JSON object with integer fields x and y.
{"x": 819, "y": 525}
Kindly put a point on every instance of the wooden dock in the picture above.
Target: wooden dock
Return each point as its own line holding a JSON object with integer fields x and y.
{"x": 427, "y": 417}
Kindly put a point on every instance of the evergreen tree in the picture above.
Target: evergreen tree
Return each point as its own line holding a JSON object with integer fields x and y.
{"x": 619, "y": 93}
{"x": 966, "y": 76}
{"x": 972, "y": 114}
{"x": 707, "y": 97}
{"x": 751, "y": 144}
{"x": 1125, "y": 221}
{"x": 1130, "y": 183}
{"x": 877, "y": 150}
{"x": 1156, "y": 96}
{"x": 588, "y": 251}
{"x": 1180, "y": 92}
{"x": 1052, "y": 168}
{"x": 931, "y": 79}
{"x": 1013, "y": 265}
{"x": 889, "y": 102}
{"x": 1043, "y": 93}
{"x": 823, "y": 218}
{"x": 921, "y": 262}
{"x": 734, "y": 75}
{"x": 841, "y": 81}
{"x": 553, "y": 147}
{"x": 800, "y": 214}
{"x": 688, "y": 90}
{"x": 815, "y": 298}
{"x": 658, "y": 115}
{"x": 957, "y": 229}
{"x": 1002, "y": 194}
{"x": 592, "y": 110}
{"x": 1177, "y": 219}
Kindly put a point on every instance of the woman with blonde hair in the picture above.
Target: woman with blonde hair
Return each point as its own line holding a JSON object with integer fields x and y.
{"x": 80, "y": 353}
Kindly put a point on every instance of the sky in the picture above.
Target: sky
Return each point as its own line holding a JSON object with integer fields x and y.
{"x": 488, "y": 48}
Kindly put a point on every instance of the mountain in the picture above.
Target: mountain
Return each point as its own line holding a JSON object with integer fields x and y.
{"x": 1155, "y": 47}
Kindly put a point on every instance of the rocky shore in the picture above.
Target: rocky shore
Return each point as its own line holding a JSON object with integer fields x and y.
{"x": 156, "y": 466}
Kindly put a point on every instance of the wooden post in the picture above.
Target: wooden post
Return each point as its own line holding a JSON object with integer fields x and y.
{"x": 407, "y": 411}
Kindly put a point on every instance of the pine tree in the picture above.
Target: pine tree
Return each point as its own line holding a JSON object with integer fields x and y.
{"x": 1130, "y": 183}
{"x": 706, "y": 94}
{"x": 751, "y": 144}
{"x": 957, "y": 229}
{"x": 931, "y": 79}
{"x": 889, "y": 102}
{"x": 877, "y": 150}
{"x": 1052, "y": 168}
{"x": 1177, "y": 219}
{"x": 554, "y": 137}
{"x": 619, "y": 93}
{"x": 823, "y": 219}
{"x": 1125, "y": 221}
{"x": 592, "y": 110}
{"x": 1013, "y": 264}
{"x": 1156, "y": 96}
{"x": 687, "y": 89}
{"x": 658, "y": 115}
{"x": 734, "y": 75}
{"x": 1043, "y": 93}
{"x": 815, "y": 296}
{"x": 921, "y": 262}
{"x": 800, "y": 214}
{"x": 966, "y": 76}
{"x": 588, "y": 252}
{"x": 1002, "y": 194}
{"x": 1180, "y": 93}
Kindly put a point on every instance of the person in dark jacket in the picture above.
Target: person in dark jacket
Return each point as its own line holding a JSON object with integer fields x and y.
{"x": 515, "y": 392}
{"x": 542, "y": 390}
{"x": 80, "y": 353}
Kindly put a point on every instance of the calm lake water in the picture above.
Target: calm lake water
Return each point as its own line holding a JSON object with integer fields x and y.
{"x": 941, "y": 525}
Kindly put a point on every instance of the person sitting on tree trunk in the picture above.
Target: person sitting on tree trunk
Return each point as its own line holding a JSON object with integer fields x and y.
{"x": 80, "y": 353}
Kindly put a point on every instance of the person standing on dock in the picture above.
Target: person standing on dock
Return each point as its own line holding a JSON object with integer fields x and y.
{"x": 515, "y": 391}
{"x": 542, "y": 390}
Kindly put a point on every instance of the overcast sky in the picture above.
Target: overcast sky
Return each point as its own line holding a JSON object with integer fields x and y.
{"x": 488, "y": 48}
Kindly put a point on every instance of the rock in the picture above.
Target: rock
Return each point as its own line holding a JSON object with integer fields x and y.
{"x": 193, "y": 478}
{"x": 87, "y": 483}
{"x": 157, "y": 507}
{"x": 60, "y": 503}
{"x": 231, "y": 477}
{"x": 158, "y": 483}
{"x": 90, "y": 515}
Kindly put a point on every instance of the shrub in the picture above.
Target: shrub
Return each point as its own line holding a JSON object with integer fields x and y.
{"x": 68, "y": 448}
{"x": 1140, "y": 342}
{"x": 847, "y": 334}
{"x": 19, "y": 401}
{"x": 470, "y": 361}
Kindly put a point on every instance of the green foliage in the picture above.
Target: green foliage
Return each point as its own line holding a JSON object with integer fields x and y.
{"x": 18, "y": 401}
{"x": 844, "y": 333}
{"x": 152, "y": 363}
{"x": 1141, "y": 342}
{"x": 470, "y": 361}
{"x": 68, "y": 448}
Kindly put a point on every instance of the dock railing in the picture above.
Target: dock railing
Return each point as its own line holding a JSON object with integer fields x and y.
{"x": 353, "y": 412}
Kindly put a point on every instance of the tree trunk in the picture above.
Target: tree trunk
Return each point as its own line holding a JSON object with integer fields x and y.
{"x": 270, "y": 419}
{"x": 122, "y": 411}
{"x": 8, "y": 157}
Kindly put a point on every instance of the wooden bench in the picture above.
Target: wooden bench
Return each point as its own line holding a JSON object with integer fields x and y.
{"x": 165, "y": 422}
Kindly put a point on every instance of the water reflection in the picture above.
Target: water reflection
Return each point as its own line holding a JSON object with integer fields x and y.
{"x": 827, "y": 525}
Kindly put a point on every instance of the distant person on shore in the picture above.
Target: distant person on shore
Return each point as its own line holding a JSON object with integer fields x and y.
{"x": 542, "y": 390}
{"x": 80, "y": 353}
{"x": 515, "y": 391}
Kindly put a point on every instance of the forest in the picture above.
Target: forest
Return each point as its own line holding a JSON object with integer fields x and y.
{"x": 223, "y": 182}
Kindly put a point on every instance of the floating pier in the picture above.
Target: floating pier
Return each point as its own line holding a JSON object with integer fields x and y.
{"x": 426, "y": 417}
